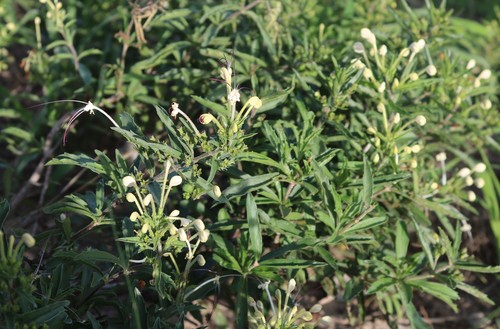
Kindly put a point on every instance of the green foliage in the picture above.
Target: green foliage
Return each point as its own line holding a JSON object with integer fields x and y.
{"x": 281, "y": 142}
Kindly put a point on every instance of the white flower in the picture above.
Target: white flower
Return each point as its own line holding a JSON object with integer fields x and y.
{"x": 368, "y": 36}
{"x": 367, "y": 73}
{"x": 479, "y": 168}
{"x": 130, "y": 197}
{"x": 471, "y": 196}
{"x": 417, "y": 46}
{"x": 358, "y": 48}
{"x": 381, "y": 107}
{"x": 291, "y": 286}
{"x": 381, "y": 88}
{"x": 175, "y": 109}
{"x": 28, "y": 240}
{"x": 431, "y": 70}
{"x": 383, "y": 50}
{"x": 434, "y": 186}
{"x": 484, "y": 75}
{"x": 464, "y": 172}
{"x": 217, "y": 191}
{"x": 466, "y": 227}
{"x": 182, "y": 235}
{"x": 479, "y": 182}
{"x": 396, "y": 119}
{"x": 199, "y": 225}
{"x": 357, "y": 64}
{"x": 128, "y": 181}
{"x": 441, "y": 157}
{"x": 486, "y": 104}
{"x": 404, "y": 52}
{"x": 204, "y": 235}
{"x": 234, "y": 96}
{"x": 416, "y": 148}
{"x": 134, "y": 216}
{"x": 421, "y": 120}
{"x": 175, "y": 181}
{"x": 413, "y": 76}
{"x": 148, "y": 199}
{"x": 470, "y": 64}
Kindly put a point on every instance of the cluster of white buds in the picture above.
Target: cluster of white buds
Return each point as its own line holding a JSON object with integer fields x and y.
{"x": 466, "y": 174}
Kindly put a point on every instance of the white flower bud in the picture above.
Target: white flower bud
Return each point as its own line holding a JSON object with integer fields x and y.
{"x": 486, "y": 104}
{"x": 182, "y": 235}
{"x": 376, "y": 158}
{"x": 469, "y": 181}
{"x": 381, "y": 88}
{"x": 367, "y": 73}
{"x": 145, "y": 228}
{"x": 416, "y": 148}
{"x": 471, "y": 196}
{"x": 413, "y": 163}
{"x": 404, "y": 52}
{"x": 383, "y": 50}
{"x": 413, "y": 76}
{"x": 255, "y": 102}
{"x": 201, "y": 260}
{"x": 420, "y": 120}
{"x": 381, "y": 107}
{"x": 464, "y": 172}
{"x": 358, "y": 47}
{"x": 357, "y": 64}
{"x": 128, "y": 181}
{"x": 172, "y": 229}
{"x": 441, "y": 157}
{"x": 431, "y": 70}
{"x": 134, "y": 216}
{"x": 217, "y": 191}
{"x": 185, "y": 222}
{"x": 148, "y": 199}
{"x": 484, "y": 75}
{"x": 396, "y": 119}
{"x": 479, "y": 168}
{"x": 470, "y": 64}
{"x": 479, "y": 182}
{"x": 206, "y": 118}
{"x": 466, "y": 228}
{"x": 371, "y": 130}
{"x": 174, "y": 213}
{"x": 434, "y": 186}
{"x": 477, "y": 83}
{"x": 204, "y": 235}
{"x": 27, "y": 239}
{"x": 417, "y": 46}
{"x": 316, "y": 308}
{"x": 291, "y": 286}
{"x": 395, "y": 84}
{"x": 199, "y": 225}
{"x": 175, "y": 181}
{"x": 130, "y": 197}
{"x": 368, "y": 36}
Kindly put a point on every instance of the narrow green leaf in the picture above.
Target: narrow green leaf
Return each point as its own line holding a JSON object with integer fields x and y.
{"x": 473, "y": 291}
{"x": 249, "y": 184}
{"x": 254, "y": 227}
{"x": 4, "y": 211}
{"x": 367, "y": 184}
{"x": 402, "y": 239}
{"x": 380, "y": 284}
{"x": 479, "y": 268}
{"x": 438, "y": 290}
{"x": 365, "y": 224}
{"x": 290, "y": 263}
{"x": 98, "y": 256}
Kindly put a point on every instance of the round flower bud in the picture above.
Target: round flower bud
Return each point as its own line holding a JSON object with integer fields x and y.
{"x": 470, "y": 64}
{"x": 469, "y": 181}
{"x": 204, "y": 235}
{"x": 367, "y": 73}
{"x": 371, "y": 130}
{"x": 383, "y": 50}
{"x": 28, "y": 240}
{"x": 421, "y": 120}
{"x": 376, "y": 158}
{"x": 431, "y": 70}
{"x": 174, "y": 213}
{"x": 396, "y": 119}
{"x": 358, "y": 47}
{"x": 413, "y": 163}
{"x": 416, "y": 148}
{"x": 466, "y": 227}
{"x": 413, "y": 76}
{"x": 255, "y": 102}
{"x": 434, "y": 186}
{"x": 441, "y": 157}
{"x": 128, "y": 181}
{"x": 464, "y": 172}
{"x": 172, "y": 229}
{"x": 395, "y": 84}
{"x": 175, "y": 181}
{"x": 316, "y": 308}
{"x": 199, "y": 225}
{"x": 479, "y": 182}
{"x": 201, "y": 260}
{"x": 486, "y": 104}
{"x": 484, "y": 75}
{"x": 479, "y": 168}
{"x": 145, "y": 228}
{"x": 471, "y": 196}
{"x": 368, "y": 35}
{"x": 381, "y": 107}
{"x": 404, "y": 52}
{"x": 357, "y": 64}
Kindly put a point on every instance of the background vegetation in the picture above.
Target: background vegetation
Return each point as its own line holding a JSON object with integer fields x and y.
{"x": 269, "y": 164}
